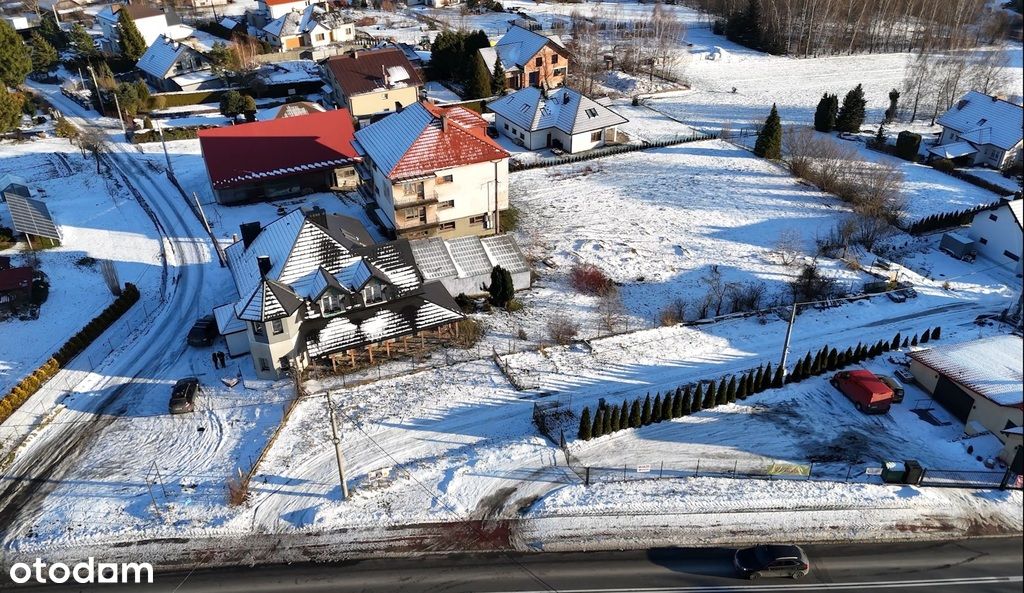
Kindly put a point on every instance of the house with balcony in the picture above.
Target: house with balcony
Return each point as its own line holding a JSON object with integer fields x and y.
{"x": 313, "y": 285}
{"x": 433, "y": 171}
{"x": 528, "y": 58}
{"x": 373, "y": 83}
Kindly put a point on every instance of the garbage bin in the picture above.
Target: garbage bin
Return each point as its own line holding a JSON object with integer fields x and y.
{"x": 893, "y": 472}
{"x": 914, "y": 472}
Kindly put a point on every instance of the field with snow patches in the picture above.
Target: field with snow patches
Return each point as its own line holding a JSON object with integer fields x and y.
{"x": 99, "y": 219}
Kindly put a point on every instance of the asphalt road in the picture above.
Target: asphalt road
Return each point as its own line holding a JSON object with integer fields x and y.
{"x": 975, "y": 566}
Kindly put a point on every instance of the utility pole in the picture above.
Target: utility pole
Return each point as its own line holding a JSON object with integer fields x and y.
{"x": 120, "y": 116}
{"x": 163, "y": 143}
{"x": 785, "y": 345}
{"x": 96, "y": 86}
{"x": 337, "y": 449}
{"x": 206, "y": 223}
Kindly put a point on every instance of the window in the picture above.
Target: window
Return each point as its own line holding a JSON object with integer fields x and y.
{"x": 993, "y": 217}
{"x": 506, "y": 126}
{"x": 411, "y": 213}
{"x": 264, "y": 365}
{"x": 277, "y": 327}
{"x": 558, "y": 72}
{"x": 413, "y": 188}
{"x": 446, "y": 204}
{"x": 554, "y": 59}
{"x": 477, "y": 219}
{"x": 372, "y": 293}
{"x": 539, "y": 61}
{"x": 1012, "y": 256}
{"x": 444, "y": 179}
{"x": 330, "y": 303}
{"x": 591, "y": 112}
{"x": 319, "y": 36}
{"x": 595, "y": 136}
{"x": 257, "y": 328}
{"x": 983, "y": 241}
{"x": 446, "y": 226}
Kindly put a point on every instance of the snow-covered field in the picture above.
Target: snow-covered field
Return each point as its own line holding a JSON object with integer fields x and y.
{"x": 99, "y": 219}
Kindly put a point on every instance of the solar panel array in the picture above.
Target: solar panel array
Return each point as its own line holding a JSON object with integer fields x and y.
{"x": 469, "y": 256}
{"x": 32, "y": 217}
{"x": 505, "y": 252}
{"x": 433, "y": 259}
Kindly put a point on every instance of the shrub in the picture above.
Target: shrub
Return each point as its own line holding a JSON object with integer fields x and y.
{"x": 907, "y": 145}
{"x": 589, "y": 279}
{"x": 944, "y": 165}
{"x": 562, "y": 329}
{"x": 469, "y": 332}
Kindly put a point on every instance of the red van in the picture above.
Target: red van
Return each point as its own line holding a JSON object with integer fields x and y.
{"x": 869, "y": 394}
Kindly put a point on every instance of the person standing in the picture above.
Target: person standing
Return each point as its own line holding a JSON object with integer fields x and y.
{"x": 213, "y": 356}
{"x": 220, "y": 357}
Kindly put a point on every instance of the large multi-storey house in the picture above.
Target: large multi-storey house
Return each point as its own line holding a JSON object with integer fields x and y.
{"x": 433, "y": 171}
{"x": 373, "y": 83}
{"x": 528, "y": 59}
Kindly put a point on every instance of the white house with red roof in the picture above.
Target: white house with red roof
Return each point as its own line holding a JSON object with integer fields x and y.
{"x": 433, "y": 171}
{"x": 281, "y": 157}
{"x": 274, "y": 9}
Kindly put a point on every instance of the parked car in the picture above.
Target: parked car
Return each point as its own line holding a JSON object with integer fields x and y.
{"x": 772, "y": 560}
{"x": 904, "y": 375}
{"x": 895, "y": 385}
{"x": 183, "y": 395}
{"x": 862, "y": 387}
{"x": 896, "y": 297}
{"x": 203, "y": 332}
{"x": 492, "y": 131}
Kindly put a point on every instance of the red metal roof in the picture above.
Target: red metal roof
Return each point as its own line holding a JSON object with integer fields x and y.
{"x": 15, "y": 279}
{"x": 241, "y": 154}
{"x": 462, "y": 141}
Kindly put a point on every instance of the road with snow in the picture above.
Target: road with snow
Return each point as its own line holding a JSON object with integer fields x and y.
{"x": 52, "y": 451}
{"x": 987, "y": 565}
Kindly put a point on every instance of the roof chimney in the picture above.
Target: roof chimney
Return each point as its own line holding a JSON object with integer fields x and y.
{"x": 263, "y": 261}
{"x": 444, "y": 122}
{"x": 398, "y": 107}
{"x": 250, "y": 230}
{"x": 318, "y": 215}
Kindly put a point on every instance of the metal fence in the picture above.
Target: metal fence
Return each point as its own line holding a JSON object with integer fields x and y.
{"x": 957, "y": 478}
{"x": 603, "y": 152}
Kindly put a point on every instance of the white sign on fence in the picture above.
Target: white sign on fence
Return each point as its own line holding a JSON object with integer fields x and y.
{"x": 872, "y": 471}
{"x": 643, "y": 468}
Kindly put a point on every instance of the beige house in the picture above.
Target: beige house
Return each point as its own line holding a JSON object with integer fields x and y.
{"x": 433, "y": 171}
{"x": 528, "y": 59}
{"x": 372, "y": 83}
{"x": 978, "y": 382}
{"x": 312, "y": 27}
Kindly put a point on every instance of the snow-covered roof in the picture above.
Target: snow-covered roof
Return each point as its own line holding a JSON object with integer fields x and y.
{"x": 363, "y": 71}
{"x": 565, "y": 109}
{"x": 991, "y": 367}
{"x": 519, "y": 45}
{"x": 953, "y": 150}
{"x": 284, "y": 26}
{"x": 468, "y": 256}
{"x": 268, "y": 300}
{"x": 227, "y": 321}
{"x": 424, "y": 138}
{"x": 138, "y": 11}
{"x": 161, "y": 56}
{"x": 961, "y": 239}
{"x": 981, "y": 119}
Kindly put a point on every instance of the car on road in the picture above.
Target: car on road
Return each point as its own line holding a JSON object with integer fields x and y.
{"x": 203, "y": 332}
{"x": 895, "y": 385}
{"x": 904, "y": 375}
{"x": 771, "y": 560}
{"x": 183, "y": 395}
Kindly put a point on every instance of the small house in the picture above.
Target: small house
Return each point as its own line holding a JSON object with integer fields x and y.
{"x": 997, "y": 235}
{"x": 528, "y": 58}
{"x": 170, "y": 65}
{"x": 372, "y": 83}
{"x": 562, "y": 118}
{"x": 152, "y": 21}
{"x": 312, "y": 27}
{"x": 981, "y": 130}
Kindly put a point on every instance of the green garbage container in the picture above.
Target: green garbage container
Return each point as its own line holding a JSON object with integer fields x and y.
{"x": 915, "y": 472}
{"x": 893, "y": 472}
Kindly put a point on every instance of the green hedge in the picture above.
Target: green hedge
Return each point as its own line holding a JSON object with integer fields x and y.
{"x": 29, "y": 385}
{"x": 190, "y": 133}
{"x": 193, "y": 98}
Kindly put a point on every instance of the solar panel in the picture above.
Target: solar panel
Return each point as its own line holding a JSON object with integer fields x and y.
{"x": 31, "y": 217}
{"x": 432, "y": 259}
{"x": 504, "y": 252}
{"x": 469, "y": 256}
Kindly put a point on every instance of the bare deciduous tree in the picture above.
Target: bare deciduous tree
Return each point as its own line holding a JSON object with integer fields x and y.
{"x": 788, "y": 246}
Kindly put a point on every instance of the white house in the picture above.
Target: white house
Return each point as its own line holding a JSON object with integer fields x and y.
{"x": 312, "y": 27}
{"x": 982, "y": 130}
{"x": 151, "y": 21}
{"x": 562, "y": 118}
{"x": 435, "y": 172}
{"x": 275, "y": 9}
{"x": 997, "y": 234}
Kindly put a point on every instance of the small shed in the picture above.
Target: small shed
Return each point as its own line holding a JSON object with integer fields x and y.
{"x": 957, "y": 245}
{"x": 233, "y": 330}
{"x": 464, "y": 265}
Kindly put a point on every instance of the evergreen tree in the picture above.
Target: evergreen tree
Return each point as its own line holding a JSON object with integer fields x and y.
{"x": 766, "y": 380}
{"x": 498, "y": 78}
{"x": 15, "y": 61}
{"x": 445, "y": 53}
{"x": 698, "y": 399}
{"x": 722, "y": 393}
{"x": 896, "y": 341}
{"x": 656, "y": 409}
{"x": 936, "y": 332}
{"x": 634, "y": 415}
{"x": 677, "y": 403}
{"x": 645, "y": 414}
{"x": 914, "y": 341}
{"x": 81, "y": 42}
{"x": 825, "y": 114}
{"x": 232, "y": 104}
{"x": 758, "y": 381}
{"x": 926, "y": 336}
{"x": 769, "y": 139}
{"x": 606, "y": 421}
{"x": 750, "y": 383}
{"x": 624, "y": 416}
{"x": 687, "y": 402}
{"x": 51, "y": 31}
{"x": 891, "y": 111}
{"x": 584, "y": 433}
{"x": 807, "y": 364}
{"x": 44, "y": 56}
{"x": 131, "y": 41}
{"x": 471, "y": 45}
{"x": 478, "y": 86}
{"x": 880, "y": 136}
{"x": 851, "y": 114}
{"x": 615, "y": 423}
{"x": 741, "y": 386}
{"x": 906, "y": 342}
{"x": 777, "y": 381}
{"x": 501, "y": 289}
{"x": 833, "y": 359}
{"x": 710, "y": 396}
{"x": 730, "y": 390}
{"x": 10, "y": 109}
{"x": 666, "y": 407}
{"x": 816, "y": 364}
{"x": 598, "y": 428}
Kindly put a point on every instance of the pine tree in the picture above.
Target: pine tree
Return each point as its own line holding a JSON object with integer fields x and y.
{"x": 584, "y": 433}
{"x": 598, "y": 428}
{"x": 750, "y": 383}
{"x": 906, "y": 342}
{"x": 645, "y": 414}
{"x": 81, "y": 41}
{"x": 825, "y": 114}
{"x": 232, "y": 104}
{"x": 730, "y": 390}
{"x": 808, "y": 363}
{"x": 44, "y": 56}
{"x": 10, "y": 109}
{"x": 677, "y": 403}
{"x": 687, "y": 402}
{"x": 502, "y": 289}
{"x": 914, "y": 341}
{"x": 891, "y": 111}
{"x": 936, "y": 332}
{"x": 777, "y": 382}
{"x": 15, "y": 61}
{"x": 758, "y": 381}
{"x": 624, "y": 416}
{"x": 656, "y": 409}
{"x": 615, "y": 423}
{"x": 926, "y": 336}
{"x": 479, "y": 84}
{"x": 833, "y": 359}
{"x": 769, "y": 139}
{"x": 896, "y": 341}
{"x": 698, "y": 398}
{"x": 766, "y": 380}
{"x": 498, "y": 78}
{"x": 710, "y": 396}
{"x": 741, "y": 387}
{"x": 722, "y": 395}
{"x": 666, "y": 407}
{"x": 131, "y": 41}
{"x": 52, "y": 32}
{"x": 851, "y": 114}
{"x": 816, "y": 364}
{"x": 634, "y": 415}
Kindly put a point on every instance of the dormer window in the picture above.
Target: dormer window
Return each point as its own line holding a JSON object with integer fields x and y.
{"x": 331, "y": 303}
{"x": 372, "y": 293}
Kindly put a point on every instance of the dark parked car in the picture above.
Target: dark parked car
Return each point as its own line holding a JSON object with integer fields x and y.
{"x": 492, "y": 131}
{"x": 203, "y": 331}
{"x": 183, "y": 396}
{"x": 774, "y": 560}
